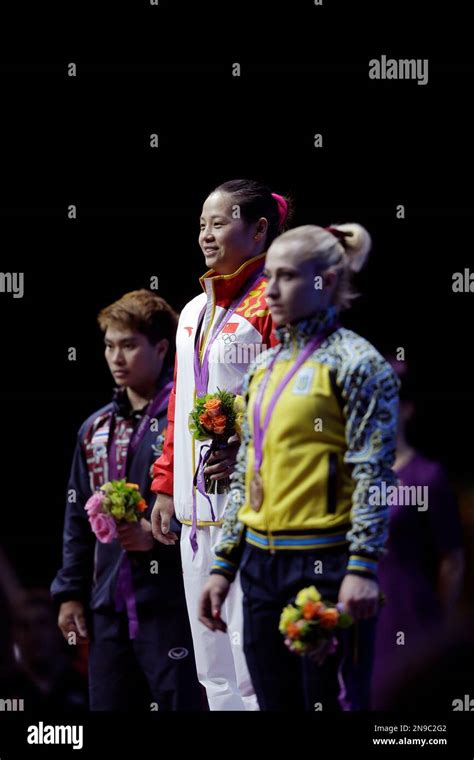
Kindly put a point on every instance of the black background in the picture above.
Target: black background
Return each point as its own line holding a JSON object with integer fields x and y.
{"x": 85, "y": 141}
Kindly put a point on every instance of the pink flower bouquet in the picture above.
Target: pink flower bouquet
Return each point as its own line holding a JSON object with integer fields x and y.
{"x": 114, "y": 502}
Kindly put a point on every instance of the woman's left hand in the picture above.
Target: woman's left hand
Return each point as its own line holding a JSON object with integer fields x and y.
{"x": 221, "y": 463}
{"x": 360, "y": 596}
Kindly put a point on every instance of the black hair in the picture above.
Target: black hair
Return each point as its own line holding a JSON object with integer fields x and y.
{"x": 256, "y": 200}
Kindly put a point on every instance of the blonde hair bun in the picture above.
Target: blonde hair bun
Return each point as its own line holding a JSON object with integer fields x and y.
{"x": 357, "y": 244}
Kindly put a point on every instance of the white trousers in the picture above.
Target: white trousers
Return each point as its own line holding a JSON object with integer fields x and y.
{"x": 220, "y": 658}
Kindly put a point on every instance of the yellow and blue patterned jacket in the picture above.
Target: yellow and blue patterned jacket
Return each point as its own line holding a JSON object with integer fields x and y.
{"x": 330, "y": 440}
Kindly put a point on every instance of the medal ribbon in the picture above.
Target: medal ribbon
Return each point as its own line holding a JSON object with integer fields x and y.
{"x": 259, "y": 429}
{"x": 124, "y": 592}
{"x": 201, "y": 379}
{"x": 201, "y": 368}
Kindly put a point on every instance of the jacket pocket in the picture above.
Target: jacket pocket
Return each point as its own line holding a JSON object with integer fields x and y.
{"x": 332, "y": 483}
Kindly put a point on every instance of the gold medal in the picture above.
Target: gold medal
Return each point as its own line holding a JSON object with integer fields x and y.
{"x": 256, "y": 492}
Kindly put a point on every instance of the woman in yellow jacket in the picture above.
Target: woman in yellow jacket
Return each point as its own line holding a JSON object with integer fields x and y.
{"x": 308, "y": 499}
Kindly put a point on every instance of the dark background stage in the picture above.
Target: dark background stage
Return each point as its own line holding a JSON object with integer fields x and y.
{"x": 84, "y": 140}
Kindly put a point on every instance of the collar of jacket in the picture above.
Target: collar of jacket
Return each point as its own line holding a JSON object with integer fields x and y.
{"x": 121, "y": 403}
{"x": 304, "y": 329}
{"x": 223, "y": 288}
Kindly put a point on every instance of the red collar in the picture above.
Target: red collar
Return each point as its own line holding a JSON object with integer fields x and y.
{"x": 225, "y": 287}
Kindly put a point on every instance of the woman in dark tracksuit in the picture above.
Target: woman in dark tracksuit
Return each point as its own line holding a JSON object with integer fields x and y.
{"x": 127, "y": 596}
{"x": 306, "y": 505}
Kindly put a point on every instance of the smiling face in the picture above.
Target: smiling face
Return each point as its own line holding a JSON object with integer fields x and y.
{"x": 292, "y": 291}
{"x": 133, "y": 361}
{"x": 227, "y": 242}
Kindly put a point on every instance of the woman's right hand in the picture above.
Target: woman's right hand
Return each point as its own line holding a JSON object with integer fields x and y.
{"x": 72, "y": 619}
{"x": 210, "y": 604}
{"x": 161, "y": 515}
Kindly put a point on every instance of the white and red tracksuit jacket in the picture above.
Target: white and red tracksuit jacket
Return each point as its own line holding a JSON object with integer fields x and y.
{"x": 247, "y": 333}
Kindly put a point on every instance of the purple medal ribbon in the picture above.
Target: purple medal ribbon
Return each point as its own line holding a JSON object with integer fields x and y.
{"x": 125, "y": 595}
{"x": 259, "y": 430}
{"x": 201, "y": 368}
{"x": 201, "y": 381}
{"x": 124, "y": 592}
{"x": 198, "y": 482}
{"x": 157, "y": 406}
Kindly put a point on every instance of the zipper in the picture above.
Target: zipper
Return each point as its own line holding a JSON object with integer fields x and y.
{"x": 295, "y": 347}
{"x": 201, "y": 351}
{"x": 205, "y": 337}
{"x": 332, "y": 483}
{"x": 270, "y": 541}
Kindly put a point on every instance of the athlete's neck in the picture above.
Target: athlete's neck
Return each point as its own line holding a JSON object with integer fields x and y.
{"x": 140, "y": 397}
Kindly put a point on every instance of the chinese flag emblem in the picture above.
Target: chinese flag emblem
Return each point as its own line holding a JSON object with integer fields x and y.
{"x": 230, "y": 327}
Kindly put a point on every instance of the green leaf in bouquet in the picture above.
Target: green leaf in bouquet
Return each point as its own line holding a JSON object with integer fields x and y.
{"x": 345, "y": 620}
{"x": 227, "y": 402}
{"x": 130, "y": 517}
{"x": 117, "y": 511}
{"x": 306, "y": 629}
{"x": 198, "y": 432}
{"x": 289, "y": 615}
{"x": 299, "y": 646}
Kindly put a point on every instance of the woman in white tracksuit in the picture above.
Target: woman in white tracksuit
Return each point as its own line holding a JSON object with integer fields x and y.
{"x": 220, "y": 332}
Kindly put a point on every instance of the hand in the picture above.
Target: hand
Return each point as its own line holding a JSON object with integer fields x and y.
{"x": 161, "y": 516}
{"x": 71, "y": 619}
{"x": 319, "y": 653}
{"x": 221, "y": 463}
{"x": 211, "y": 601}
{"x": 359, "y": 596}
{"x": 136, "y": 536}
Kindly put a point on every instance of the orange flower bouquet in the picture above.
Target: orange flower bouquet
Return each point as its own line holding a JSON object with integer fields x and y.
{"x": 310, "y": 623}
{"x": 216, "y": 417}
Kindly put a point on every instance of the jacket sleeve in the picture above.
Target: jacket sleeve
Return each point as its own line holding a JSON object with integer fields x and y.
{"x": 228, "y": 552}
{"x": 370, "y": 392}
{"x": 163, "y": 467}
{"x": 74, "y": 579}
